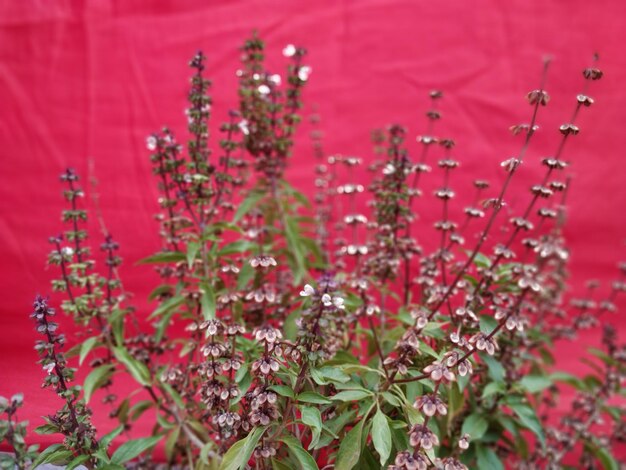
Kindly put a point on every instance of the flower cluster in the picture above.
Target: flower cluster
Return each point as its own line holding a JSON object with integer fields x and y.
{"x": 73, "y": 420}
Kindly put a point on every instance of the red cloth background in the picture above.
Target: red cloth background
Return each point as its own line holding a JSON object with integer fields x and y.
{"x": 90, "y": 79}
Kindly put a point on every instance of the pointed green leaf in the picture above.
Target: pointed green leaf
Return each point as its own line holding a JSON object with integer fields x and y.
{"x": 137, "y": 369}
{"x": 529, "y": 420}
{"x": 56, "y": 453}
{"x": 207, "y": 301}
{"x": 350, "y": 448}
{"x": 95, "y": 379}
{"x": 381, "y": 436}
{"x": 535, "y": 383}
{"x": 475, "y": 425}
{"x": 237, "y": 457}
{"x": 313, "y": 397}
{"x": 351, "y": 395}
{"x": 313, "y": 418}
{"x": 131, "y": 449}
{"x": 165, "y": 257}
{"x": 166, "y": 306}
{"x": 86, "y": 347}
{"x": 306, "y": 461}
{"x": 247, "y": 204}
{"x": 77, "y": 461}
{"x": 108, "y": 438}
{"x": 487, "y": 458}
{"x": 192, "y": 251}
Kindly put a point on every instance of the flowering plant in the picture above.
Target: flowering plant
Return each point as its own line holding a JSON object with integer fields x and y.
{"x": 313, "y": 335}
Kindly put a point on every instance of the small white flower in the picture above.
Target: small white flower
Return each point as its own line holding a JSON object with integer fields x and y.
{"x": 256, "y": 76}
{"x": 304, "y": 72}
{"x": 389, "y": 169}
{"x": 307, "y": 291}
{"x": 243, "y": 127}
{"x": 464, "y": 442}
{"x": 289, "y": 50}
{"x": 49, "y": 367}
{"x": 151, "y": 142}
{"x": 454, "y": 337}
{"x": 372, "y": 310}
{"x": 511, "y": 164}
{"x": 275, "y": 79}
{"x": 338, "y": 302}
{"x": 326, "y": 300}
{"x": 67, "y": 251}
{"x": 264, "y": 90}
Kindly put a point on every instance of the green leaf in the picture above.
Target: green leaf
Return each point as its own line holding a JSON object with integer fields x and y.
{"x": 487, "y": 458}
{"x": 381, "y": 436}
{"x": 117, "y": 327}
{"x": 359, "y": 369}
{"x": 140, "y": 408}
{"x": 313, "y": 418}
{"x": 456, "y": 399}
{"x": 192, "y": 251}
{"x": 238, "y": 246}
{"x": 207, "y": 301}
{"x": 87, "y": 346}
{"x": 278, "y": 465}
{"x": 283, "y": 390}
{"x": 327, "y": 375}
{"x": 425, "y": 348}
{"x": 131, "y": 449}
{"x": 529, "y": 420}
{"x": 568, "y": 379}
{"x": 96, "y": 379}
{"x": 162, "y": 325}
{"x": 174, "y": 395}
{"x": 168, "y": 305}
{"x": 137, "y": 369}
{"x": 170, "y": 443}
{"x": 392, "y": 399}
{"x": 45, "y": 429}
{"x": 56, "y": 453}
{"x": 481, "y": 260}
{"x": 247, "y": 204}
{"x": 604, "y": 456}
{"x": 298, "y": 196}
{"x": 108, "y": 438}
{"x": 535, "y": 383}
{"x": 487, "y": 324}
{"x": 295, "y": 248}
{"x": 351, "y": 395}
{"x": 165, "y": 257}
{"x": 306, "y": 461}
{"x": 475, "y": 425}
{"x": 77, "y": 461}
{"x": 237, "y": 457}
{"x": 334, "y": 426}
{"x": 496, "y": 371}
{"x": 492, "y": 388}
{"x": 313, "y": 397}
{"x": 350, "y": 448}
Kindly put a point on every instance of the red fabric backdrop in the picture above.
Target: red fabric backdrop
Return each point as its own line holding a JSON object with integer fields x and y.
{"x": 90, "y": 79}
